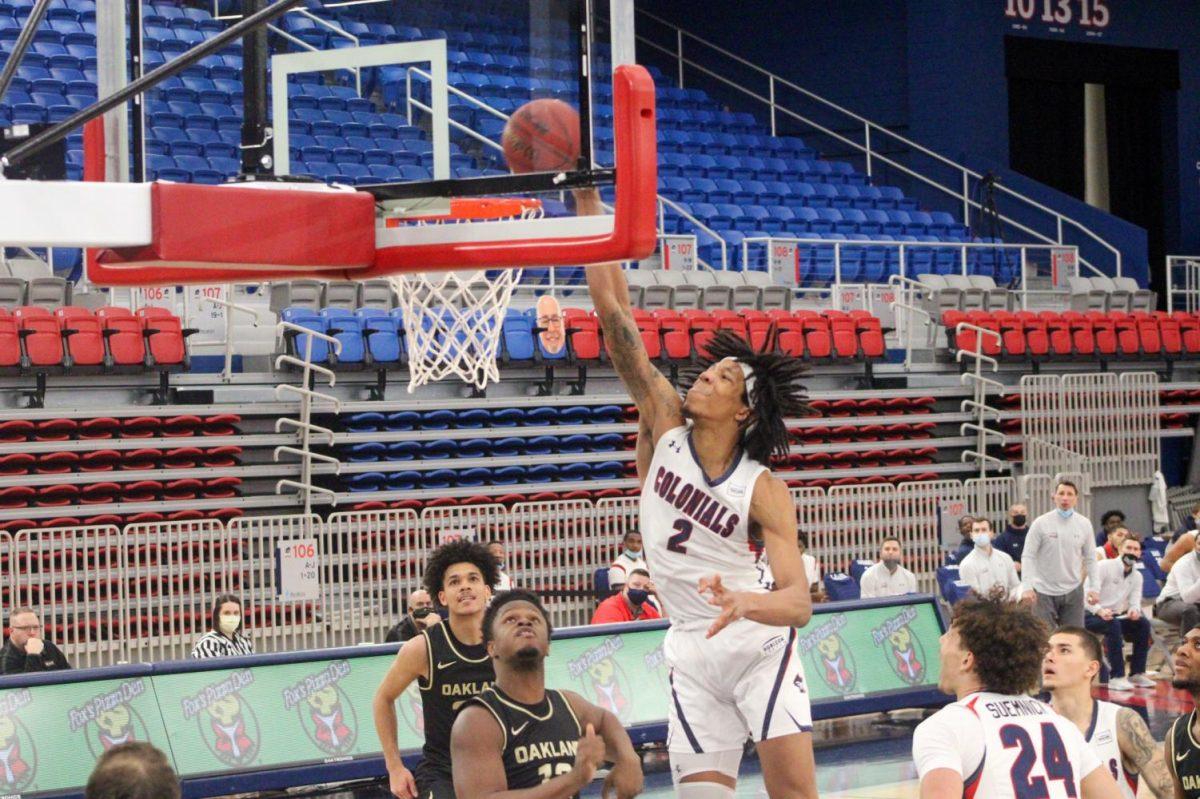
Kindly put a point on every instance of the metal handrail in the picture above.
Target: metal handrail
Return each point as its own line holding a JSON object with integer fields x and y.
{"x": 696, "y": 223}
{"x": 868, "y": 127}
{"x": 296, "y": 40}
{"x": 230, "y": 307}
{"x": 309, "y": 426}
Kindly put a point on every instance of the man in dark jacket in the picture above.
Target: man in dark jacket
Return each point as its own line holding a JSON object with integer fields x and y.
{"x": 420, "y": 615}
{"x": 26, "y": 650}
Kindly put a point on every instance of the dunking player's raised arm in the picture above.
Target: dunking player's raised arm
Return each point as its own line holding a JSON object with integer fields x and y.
{"x": 657, "y": 401}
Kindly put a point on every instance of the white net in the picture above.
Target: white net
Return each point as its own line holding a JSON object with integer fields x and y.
{"x": 453, "y": 323}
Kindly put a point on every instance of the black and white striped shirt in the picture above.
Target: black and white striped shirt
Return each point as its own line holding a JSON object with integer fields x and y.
{"x": 215, "y": 645}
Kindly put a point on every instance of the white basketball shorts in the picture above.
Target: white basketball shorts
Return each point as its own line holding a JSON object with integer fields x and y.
{"x": 745, "y": 682}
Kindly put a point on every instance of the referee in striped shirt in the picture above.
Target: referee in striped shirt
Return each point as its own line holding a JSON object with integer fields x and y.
{"x": 224, "y": 639}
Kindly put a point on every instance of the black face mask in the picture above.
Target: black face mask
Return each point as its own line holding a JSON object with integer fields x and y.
{"x": 1129, "y": 559}
{"x": 1019, "y": 520}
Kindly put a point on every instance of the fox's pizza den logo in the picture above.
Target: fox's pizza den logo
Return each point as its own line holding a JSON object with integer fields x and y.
{"x": 326, "y": 714}
{"x": 109, "y": 719}
{"x": 227, "y": 722}
{"x": 905, "y": 654}
{"x": 603, "y": 679}
{"x": 18, "y": 755}
{"x": 830, "y": 655}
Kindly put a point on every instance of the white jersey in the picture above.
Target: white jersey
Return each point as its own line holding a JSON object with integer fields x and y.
{"x": 1002, "y": 745}
{"x": 693, "y": 527}
{"x": 1102, "y": 737}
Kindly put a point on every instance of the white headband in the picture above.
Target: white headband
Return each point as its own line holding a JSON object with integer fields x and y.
{"x": 747, "y": 375}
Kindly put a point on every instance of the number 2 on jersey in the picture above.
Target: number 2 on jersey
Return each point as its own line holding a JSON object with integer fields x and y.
{"x": 677, "y": 542}
{"x": 1053, "y": 756}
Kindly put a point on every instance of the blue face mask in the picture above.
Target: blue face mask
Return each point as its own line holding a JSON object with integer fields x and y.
{"x": 632, "y": 555}
{"x": 1066, "y": 514}
{"x": 637, "y": 595}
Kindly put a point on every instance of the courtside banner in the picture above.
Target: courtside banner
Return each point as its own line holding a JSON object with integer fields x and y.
{"x": 267, "y": 721}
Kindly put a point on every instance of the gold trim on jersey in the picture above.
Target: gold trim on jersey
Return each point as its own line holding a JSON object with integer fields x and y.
{"x": 450, "y": 643}
{"x": 571, "y": 710}
{"x": 428, "y": 654}
{"x": 525, "y": 710}
{"x": 495, "y": 715}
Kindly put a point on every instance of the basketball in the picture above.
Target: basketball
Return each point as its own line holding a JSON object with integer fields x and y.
{"x": 542, "y": 136}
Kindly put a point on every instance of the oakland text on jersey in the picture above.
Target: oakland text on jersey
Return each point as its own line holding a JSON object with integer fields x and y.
{"x": 463, "y": 688}
{"x": 544, "y": 750}
{"x": 1010, "y": 708}
{"x": 704, "y": 509}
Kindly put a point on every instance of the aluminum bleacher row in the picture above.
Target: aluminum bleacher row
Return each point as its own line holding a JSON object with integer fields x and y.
{"x": 72, "y": 465}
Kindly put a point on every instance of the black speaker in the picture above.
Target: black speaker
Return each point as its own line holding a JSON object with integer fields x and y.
{"x": 49, "y": 163}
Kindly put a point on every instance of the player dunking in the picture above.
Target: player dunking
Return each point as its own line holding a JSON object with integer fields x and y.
{"x": 996, "y": 741}
{"x": 449, "y": 663}
{"x": 705, "y": 486}
{"x": 1117, "y": 735}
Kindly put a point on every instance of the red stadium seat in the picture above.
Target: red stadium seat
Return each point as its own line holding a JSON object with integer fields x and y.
{"x": 178, "y": 490}
{"x": 83, "y": 333}
{"x": 10, "y": 343}
{"x": 182, "y": 458}
{"x": 55, "y": 429}
{"x": 123, "y": 332}
{"x": 100, "y": 493}
{"x": 56, "y": 463}
{"x": 141, "y": 427}
{"x": 141, "y": 459}
{"x": 221, "y": 424}
{"x": 221, "y": 456}
{"x": 100, "y": 460}
{"x": 651, "y": 334}
{"x": 16, "y": 464}
{"x": 583, "y": 334}
{"x": 141, "y": 491}
{"x": 16, "y": 430}
{"x": 56, "y": 495}
{"x": 40, "y": 338}
{"x": 222, "y": 488}
{"x": 166, "y": 338}
{"x": 181, "y": 426}
{"x": 98, "y": 428}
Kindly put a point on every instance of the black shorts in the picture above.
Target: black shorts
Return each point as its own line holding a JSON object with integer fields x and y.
{"x": 433, "y": 782}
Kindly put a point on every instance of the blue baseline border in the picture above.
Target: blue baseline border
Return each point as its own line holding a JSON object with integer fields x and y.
{"x": 372, "y": 765}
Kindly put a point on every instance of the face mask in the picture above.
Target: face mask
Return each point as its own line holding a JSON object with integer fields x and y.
{"x": 891, "y": 563}
{"x": 1019, "y": 520}
{"x": 228, "y": 624}
{"x": 1065, "y": 514}
{"x": 982, "y": 540}
{"x": 632, "y": 555}
{"x": 637, "y": 595}
{"x": 1129, "y": 559}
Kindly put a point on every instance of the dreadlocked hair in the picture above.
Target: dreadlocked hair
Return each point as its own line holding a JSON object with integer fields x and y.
{"x": 777, "y": 393}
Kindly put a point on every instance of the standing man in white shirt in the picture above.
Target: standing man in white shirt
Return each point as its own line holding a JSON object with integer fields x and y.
{"x": 888, "y": 577}
{"x": 1059, "y": 556}
{"x": 1179, "y": 602}
{"x": 503, "y": 581}
{"x": 987, "y": 569}
{"x": 1117, "y": 616}
{"x": 631, "y": 558}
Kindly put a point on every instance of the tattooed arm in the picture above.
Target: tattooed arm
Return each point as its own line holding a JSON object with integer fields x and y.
{"x": 659, "y": 404}
{"x": 1141, "y": 754}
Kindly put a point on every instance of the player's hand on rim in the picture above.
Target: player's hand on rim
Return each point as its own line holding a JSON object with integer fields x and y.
{"x": 402, "y": 784}
{"x": 731, "y": 603}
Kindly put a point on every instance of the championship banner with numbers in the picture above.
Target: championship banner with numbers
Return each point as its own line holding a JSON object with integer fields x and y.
{"x": 259, "y": 715}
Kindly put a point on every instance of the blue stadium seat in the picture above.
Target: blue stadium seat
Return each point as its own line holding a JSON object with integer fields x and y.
{"x": 382, "y": 331}
{"x": 542, "y": 473}
{"x": 840, "y": 587}
{"x": 367, "y": 481}
{"x": 406, "y": 480}
{"x": 403, "y": 450}
{"x": 508, "y": 417}
{"x": 368, "y": 452}
{"x": 343, "y": 325}
{"x": 607, "y": 470}
{"x": 509, "y": 446}
{"x": 509, "y": 475}
{"x": 473, "y": 419}
{"x": 300, "y": 343}
{"x": 439, "y": 449}
{"x": 475, "y": 448}
{"x": 437, "y": 420}
{"x": 364, "y": 422}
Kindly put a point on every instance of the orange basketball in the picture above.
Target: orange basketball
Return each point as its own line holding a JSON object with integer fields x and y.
{"x": 542, "y": 136}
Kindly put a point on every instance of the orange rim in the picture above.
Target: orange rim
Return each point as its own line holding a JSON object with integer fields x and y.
{"x": 465, "y": 209}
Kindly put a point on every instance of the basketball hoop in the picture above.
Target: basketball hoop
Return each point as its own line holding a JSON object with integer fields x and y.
{"x": 453, "y": 320}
